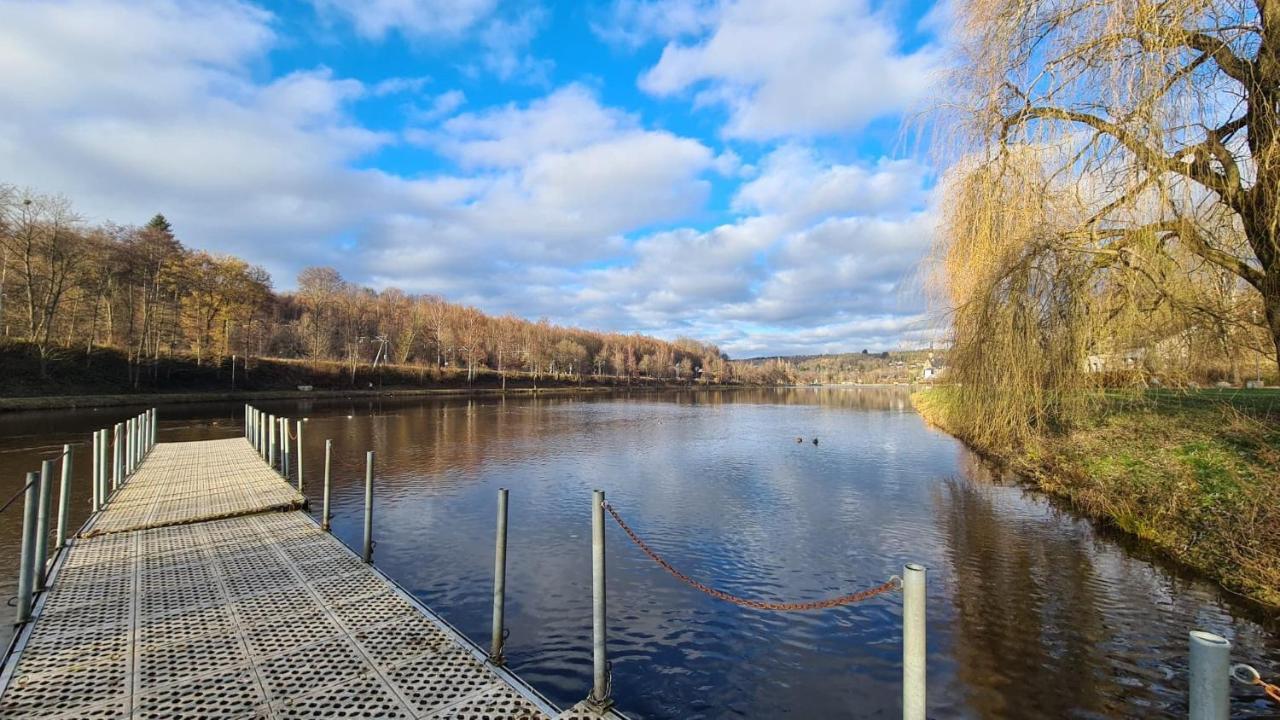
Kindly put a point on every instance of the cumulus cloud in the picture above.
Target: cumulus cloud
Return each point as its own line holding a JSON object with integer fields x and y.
{"x": 787, "y": 69}
{"x": 414, "y": 18}
{"x": 559, "y": 205}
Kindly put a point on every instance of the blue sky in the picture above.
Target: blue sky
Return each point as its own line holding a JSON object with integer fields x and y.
{"x": 732, "y": 171}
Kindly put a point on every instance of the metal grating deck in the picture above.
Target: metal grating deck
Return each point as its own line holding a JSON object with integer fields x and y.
{"x": 259, "y": 616}
{"x": 194, "y": 481}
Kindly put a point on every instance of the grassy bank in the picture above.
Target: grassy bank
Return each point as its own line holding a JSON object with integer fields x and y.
{"x": 106, "y": 378}
{"x": 1196, "y": 474}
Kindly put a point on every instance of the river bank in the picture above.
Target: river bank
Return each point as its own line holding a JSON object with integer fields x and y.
{"x": 1195, "y": 474}
{"x": 108, "y": 379}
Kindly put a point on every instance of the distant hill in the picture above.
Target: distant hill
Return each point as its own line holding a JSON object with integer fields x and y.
{"x": 853, "y": 368}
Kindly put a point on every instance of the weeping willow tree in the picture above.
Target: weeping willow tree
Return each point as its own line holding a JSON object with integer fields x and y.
{"x": 1111, "y": 160}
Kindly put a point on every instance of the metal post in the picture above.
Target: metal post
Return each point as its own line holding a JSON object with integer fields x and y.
{"x": 298, "y": 452}
{"x": 155, "y": 420}
{"x": 116, "y": 459}
{"x": 128, "y": 448}
{"x": 42, "y": 522}
{"x": 286, "y": 456}
{"x": 1210, "y": 676}
{"x": 102, "y": 468}
{"x": 271, "y": 442}
{"x": 324, "y": 505}
{"x": 599, "y": 696}
{"x": 498, "y": 638}
{"x": 913, "y": 642}
{"x": 368, "y": 507}
{"x": 64, "y": 500}
{"x": 26, "y": 563}
{"x": 96, "y": 500}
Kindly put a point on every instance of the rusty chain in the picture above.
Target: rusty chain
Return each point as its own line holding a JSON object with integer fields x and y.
{"x": 891, "y": 584}
{"x": 1246, "y": 674}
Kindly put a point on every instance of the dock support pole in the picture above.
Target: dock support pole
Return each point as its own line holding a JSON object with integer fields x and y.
{"x": 102, "y": 468}
{"x": 324, "y": 504}
{"x": 96, "y": 500}
{"x": 298, "y": 452}
{"x": 64, "y": 499}
{"x": 42, "y": 522}
{"x": 26, "y": 562}
{"x": 116, "y": 459}
{"x": 498, "y": 635}
{"x": 368, "y": 507}
{"x": 287, "y": 455}
{"x": 913, "y": 642}
{"x": 271, "y": 441}
{"x": 127, "y": 453}
{"x": 600, "y": 664}
{"x": 155, "y": 421}
{"x": 1210, "y": 676}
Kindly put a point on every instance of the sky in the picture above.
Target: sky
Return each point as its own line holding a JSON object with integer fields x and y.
{"x": 734, "y": 171}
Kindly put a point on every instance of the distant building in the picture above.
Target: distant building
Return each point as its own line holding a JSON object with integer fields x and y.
{"x": 933, "y": 369}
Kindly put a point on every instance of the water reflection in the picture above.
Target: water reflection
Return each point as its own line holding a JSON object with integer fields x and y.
{"x": 1033, "y": 613}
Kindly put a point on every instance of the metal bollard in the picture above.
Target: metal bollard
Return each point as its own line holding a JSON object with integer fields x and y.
{"x": 599, "y": 696}
{"x": 913, "y": 642}
{"x": 42, "y": 523}
{"x": 26, "y": 563}
{"x": 64, "y": 499}
{"x": 298, "y": 452}
{"x": 1210, "y": 697}
{"x": 271, "y": 440}
{"x": 324, "y": 505}
{"x": 96, "y": 501}
{"x": 498, "y": 636}
{"x": 368, "y": 507}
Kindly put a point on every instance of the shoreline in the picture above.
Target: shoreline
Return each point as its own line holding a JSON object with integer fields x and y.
{"x": 1063, "y": 474}
{"x": 73, "y": 402}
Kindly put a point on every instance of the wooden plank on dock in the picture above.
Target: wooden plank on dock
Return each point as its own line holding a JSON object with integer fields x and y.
{"x": 262, "y": 615}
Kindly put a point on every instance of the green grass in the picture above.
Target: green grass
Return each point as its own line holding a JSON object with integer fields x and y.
{"x": 1196, "y": 473}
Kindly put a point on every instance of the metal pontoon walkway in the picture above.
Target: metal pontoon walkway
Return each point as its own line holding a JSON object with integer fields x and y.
{"x": 187, "y": 597}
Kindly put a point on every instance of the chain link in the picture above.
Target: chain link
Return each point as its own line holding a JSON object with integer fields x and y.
{"x": 1246, "y": 674}
{"x": 891, "y": 584}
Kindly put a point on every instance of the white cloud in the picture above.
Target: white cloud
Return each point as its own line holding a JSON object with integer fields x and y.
{"x": 632, "y": 23}
{"x": 784, "y": 69}
{"x": 441, "y": 106}
{"x": 567, "y": 119}
{"x": 559, "y": 206}
{"x": 413, "y": 18}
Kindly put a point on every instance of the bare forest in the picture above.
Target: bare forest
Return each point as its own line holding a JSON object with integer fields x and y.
{"x": 69, "y": 289}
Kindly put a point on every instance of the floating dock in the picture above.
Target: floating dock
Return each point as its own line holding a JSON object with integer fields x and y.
{"x": 202, "y": 589}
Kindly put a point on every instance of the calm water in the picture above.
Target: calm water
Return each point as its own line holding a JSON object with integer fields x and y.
{"x": 1033, "y": 613}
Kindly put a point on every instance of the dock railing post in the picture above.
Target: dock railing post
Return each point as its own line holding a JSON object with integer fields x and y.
{"x": 324, "y": 503}
{"x": 599, "y": 696}
{"x": 368, "y": 507}
{"x": 298, "y": 451}
{"x": 102, "y": 468}
{"x": 64, "y": 499}
{"x": 42, "y": 522}
{"x": 95, "y": 499}
{"x": 286, "y": 447}
{"x": 116, "y": 459}
{"x": 155, "y": 421}
{"x": 913, "y": 642}
{"x": 271, "y": 441}
{"x": 26, "y": 562}
{"x": 498, "y": 635}
{"x": 1210, "y": 692}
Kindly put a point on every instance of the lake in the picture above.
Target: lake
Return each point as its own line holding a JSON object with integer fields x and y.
{"x": 1033, "y": 612}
